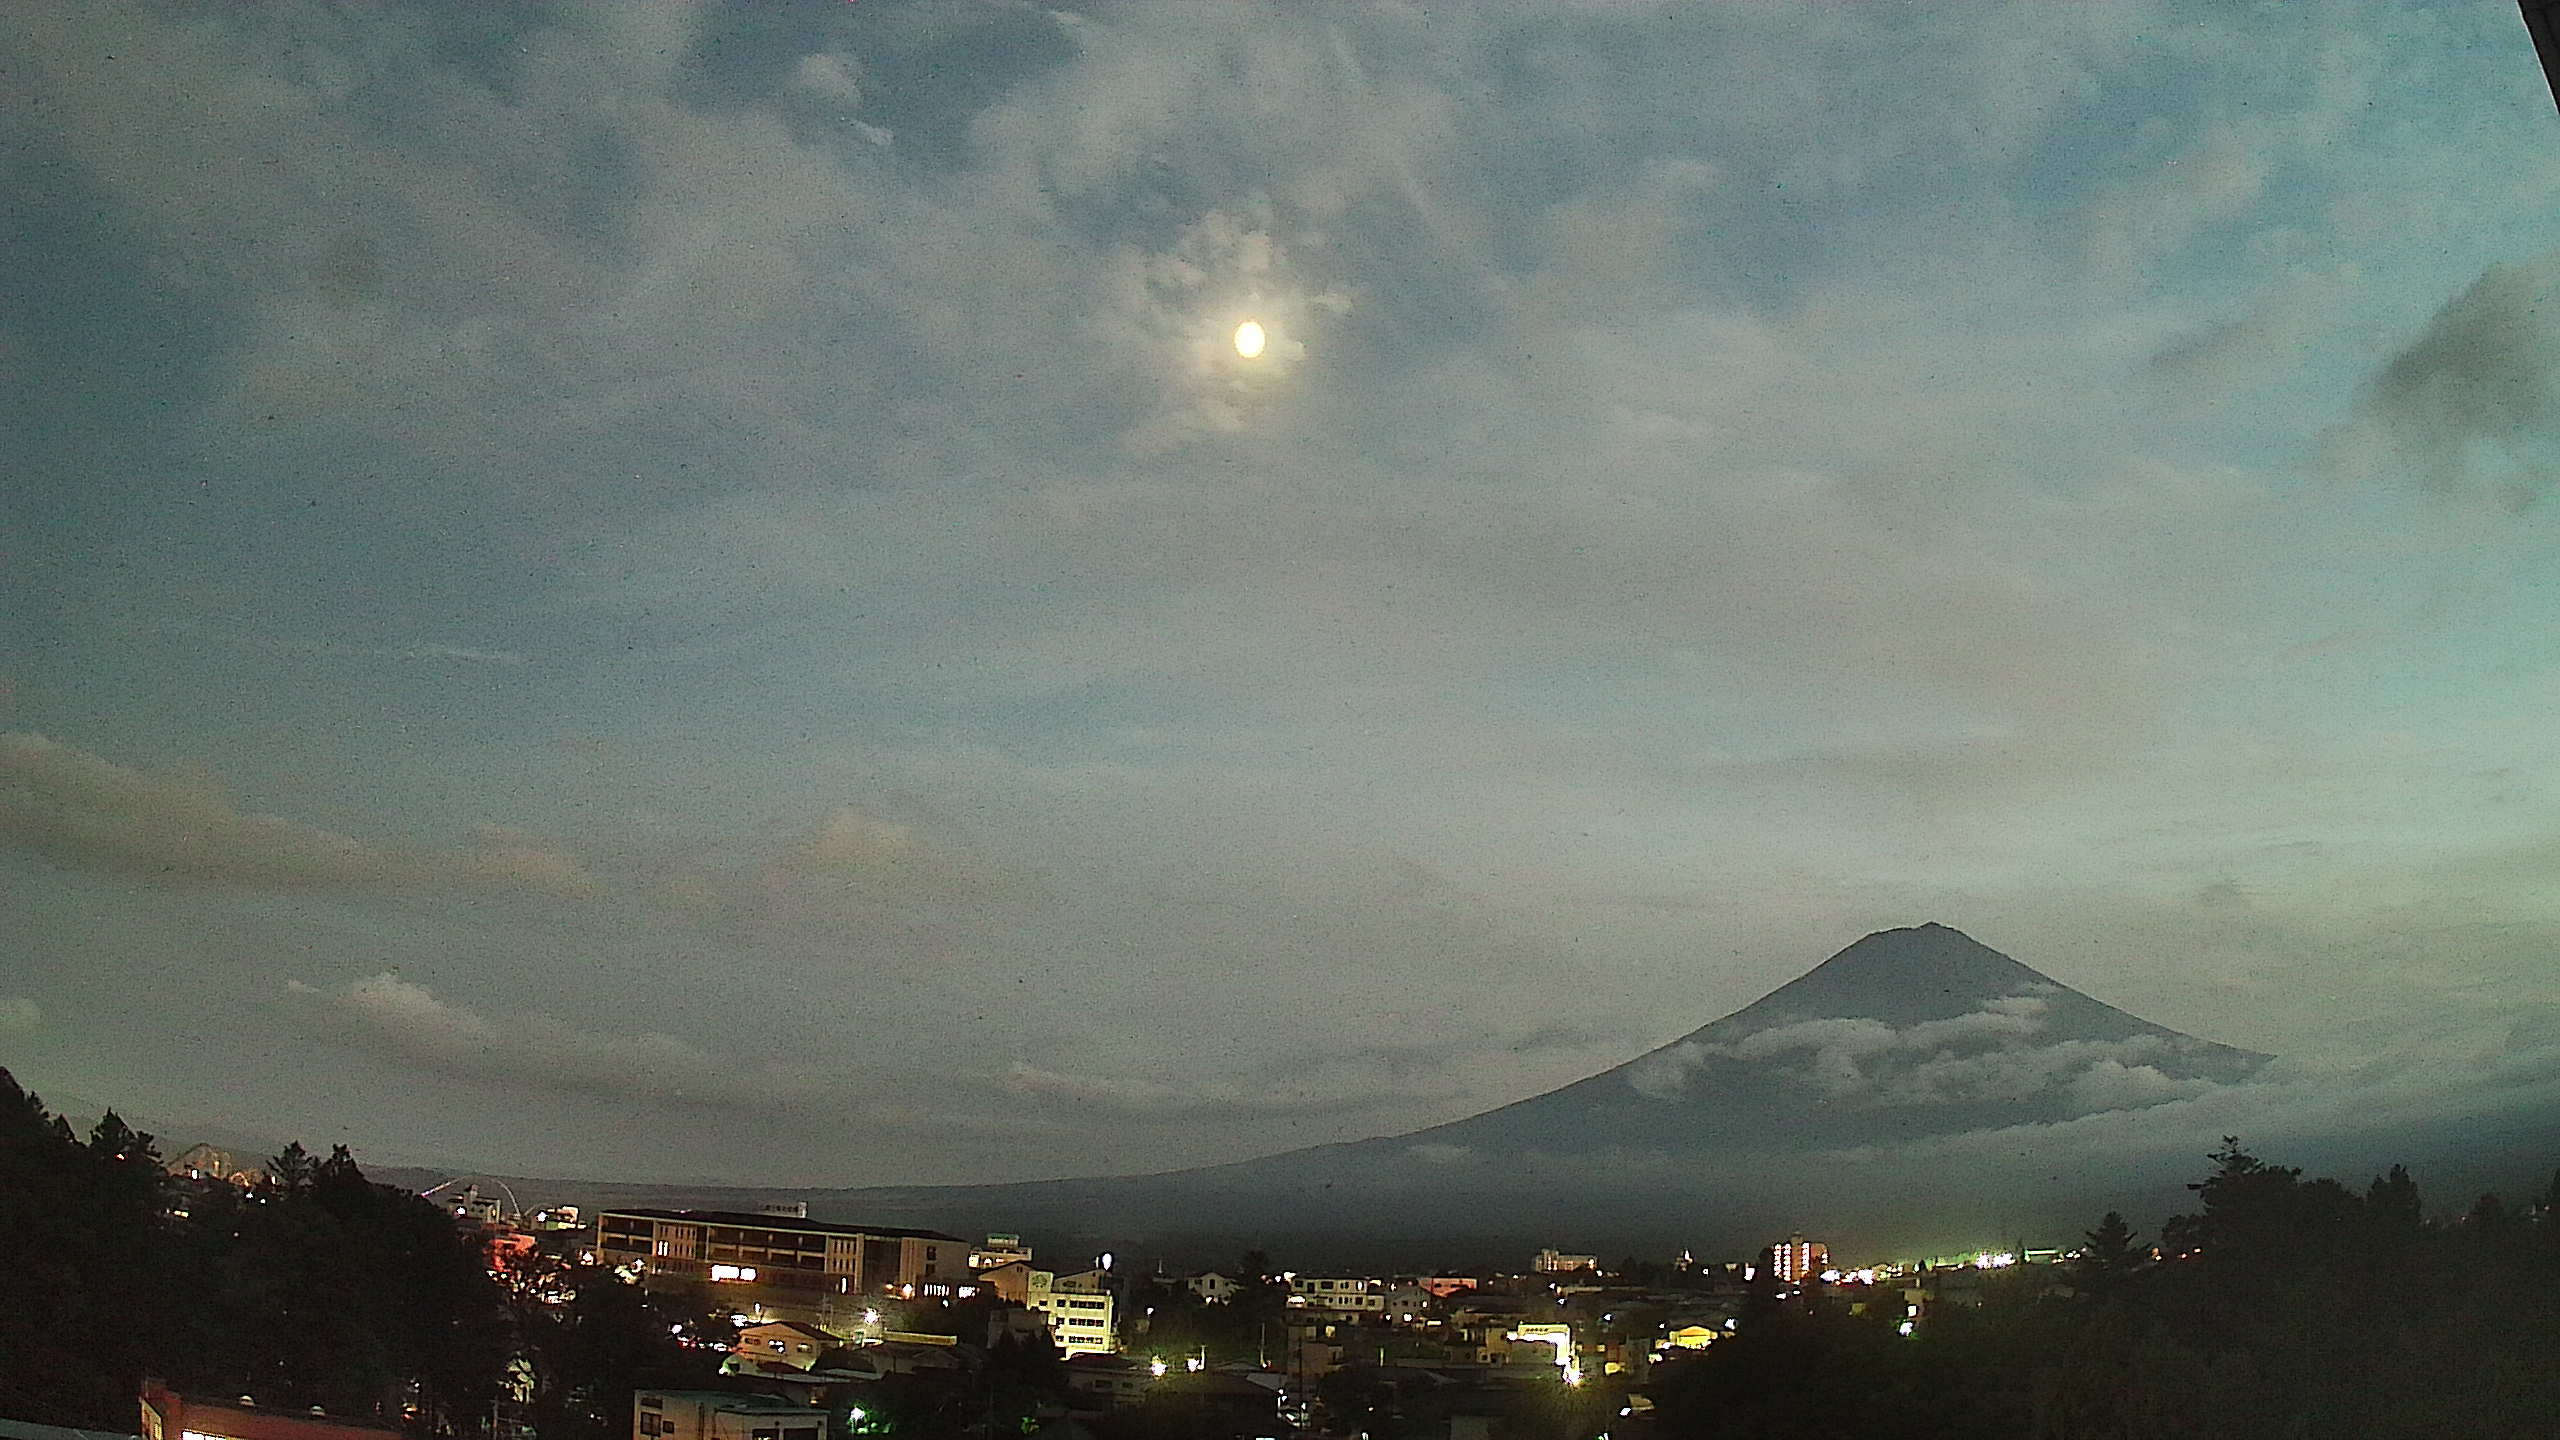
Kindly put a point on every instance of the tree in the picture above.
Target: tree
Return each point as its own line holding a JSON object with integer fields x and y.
{"x": 2488, "y": 1215}
{"x": 2109, "y": 1259}
{"x": 2392, "y": 1203}
{"x": 290, "y": 1170}
{"x": 114, "y": 1140}
{"x": 591, "y": 1352}
{"x": 1760, "y": 1292}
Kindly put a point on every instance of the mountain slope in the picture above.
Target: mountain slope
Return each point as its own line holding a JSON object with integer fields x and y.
{"x": 1730, "y": 1134}
{"x": 1905, "y": 1036}
{"x": 1906, "y": 1033}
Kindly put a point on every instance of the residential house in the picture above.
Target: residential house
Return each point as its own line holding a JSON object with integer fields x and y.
{"x": 718, "y": 1415}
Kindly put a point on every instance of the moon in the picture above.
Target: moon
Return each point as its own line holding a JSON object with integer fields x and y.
{"x": 1249, "y": 339}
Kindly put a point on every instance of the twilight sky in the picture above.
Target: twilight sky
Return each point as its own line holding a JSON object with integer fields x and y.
{"x": 698, "y": 592}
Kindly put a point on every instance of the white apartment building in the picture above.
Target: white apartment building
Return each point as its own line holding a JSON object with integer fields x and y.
{"x": 1337, "y": 1294}
{"x": 1083, "y": 1316}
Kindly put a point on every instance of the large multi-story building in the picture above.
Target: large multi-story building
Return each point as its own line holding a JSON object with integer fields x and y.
{"x": 1341, "y": 1295}
{"x": 771, "y": 1267}
{"x": 1556, "y": 1262}
{"x": 1798, "y": 1258}
{"x": 1081, "y": 1310}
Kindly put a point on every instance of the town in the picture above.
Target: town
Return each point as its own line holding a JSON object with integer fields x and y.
{"x": 216, "y": 1297}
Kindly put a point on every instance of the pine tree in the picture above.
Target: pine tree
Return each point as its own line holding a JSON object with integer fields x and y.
{"x": 112, "y": 1139}
{"x": 290, "y": 1170}
{"x": 2392, "y": 1201}
{"x": 2109, "y": 1259}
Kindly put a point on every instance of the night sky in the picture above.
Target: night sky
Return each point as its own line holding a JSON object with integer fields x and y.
{"x": 701, "y": 592}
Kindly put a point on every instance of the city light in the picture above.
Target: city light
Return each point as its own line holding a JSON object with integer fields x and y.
{"x": 1156, "y": 1368}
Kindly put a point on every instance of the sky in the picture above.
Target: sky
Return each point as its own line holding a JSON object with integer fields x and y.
{"x": 675, "y": 591}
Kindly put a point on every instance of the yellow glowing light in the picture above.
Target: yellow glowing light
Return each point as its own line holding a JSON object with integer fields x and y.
{"x": 1249, "y": 339}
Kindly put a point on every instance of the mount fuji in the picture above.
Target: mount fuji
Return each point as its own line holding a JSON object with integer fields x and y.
{"x": 1812, "y": 1097}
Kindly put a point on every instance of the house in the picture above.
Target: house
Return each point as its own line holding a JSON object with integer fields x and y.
{"x": 716, "y": 1415}
{"x": 781, "y": 1342}
{"x": 1212, "y": 1287}
{"x": 1113, "y": 1379}
{"x": 1010, "y": 1281}
{"x": 1211, "y": 1404}
{"x": 207, "y": 1162}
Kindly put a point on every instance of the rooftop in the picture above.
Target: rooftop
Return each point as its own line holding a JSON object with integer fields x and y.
{"x": 749, "y": 1220}
{"x": 733, "y": 1403}
{"x": 797, "y": 1327}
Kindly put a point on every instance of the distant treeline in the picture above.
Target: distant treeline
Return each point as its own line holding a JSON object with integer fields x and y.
{"x": 317, "y": 1287}
{"x": 2283, "y": 1307}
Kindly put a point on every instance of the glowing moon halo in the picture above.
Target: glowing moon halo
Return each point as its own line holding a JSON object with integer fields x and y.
{"x": 1249, "y": 339}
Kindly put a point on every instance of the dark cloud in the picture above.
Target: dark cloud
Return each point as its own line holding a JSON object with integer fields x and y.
{"x": 2472, "y": 406}
{"x": 1662, "y": 542}
{"x": 85, "y": 812}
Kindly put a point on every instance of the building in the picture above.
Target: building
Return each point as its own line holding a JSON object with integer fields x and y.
{"x": 473, "y": 1208}
{"x": 1009, "y": 1281}
{"x": 1408, "y": 1303}
{"x": 1082, "y": 1312}
{"x": 772, "y": 1267}
{"x": 1112, "y": 1379}
{"x": 1338, "y": 1295}
{"x": 1556, "y": 1262}
{"x": 1000, "y": 1250}
{"x": 167, "y": 1415}
{"x": 1799, "y": 1258}
{"x": 714, "y": 1415}
{"x": 1212, "y": 1287}
{"x": 782, "y": 1342}
{"x": 206, "y": 1162}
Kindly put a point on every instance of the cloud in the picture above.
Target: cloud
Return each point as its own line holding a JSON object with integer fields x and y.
{"x": 2472, "y": 406}
{"x": 1343, "y": 1086}
{"x": 858, "y": 876}
{"x": 387, "y": 1013}
{"x": 1753, "y": 512}
{"x": 85, "y": 812}
{"x": 19, "y": 1013}
{"x": 2110, "y": 1084}
{"x": 1992, "y": 1054}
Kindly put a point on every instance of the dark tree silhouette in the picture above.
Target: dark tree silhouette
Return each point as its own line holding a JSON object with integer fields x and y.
{"x": 2108, "y": 1259}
